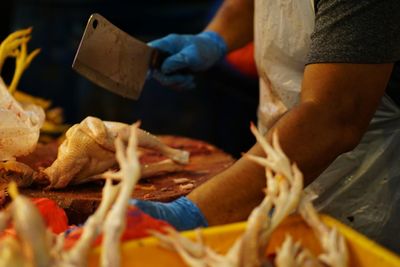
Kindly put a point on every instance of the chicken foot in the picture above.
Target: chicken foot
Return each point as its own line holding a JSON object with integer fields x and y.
{"x": 335, "y": 253}
{"x": 77, "y": 256}
{"x": 291, "y": 254}
{"x": 29, "y": 225}
{"x": 8, "y": 48}
{"x": 129, "y": 173}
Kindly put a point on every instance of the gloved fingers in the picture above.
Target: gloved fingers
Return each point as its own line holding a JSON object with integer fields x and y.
{"x": 146, "y": 206}
{"x": 177, "y": 81}
{"x": 182, "y": 213}
{"x": 171, "y": 43}
{"x": 187, "y": 58}
{"x": 175, "y": 63}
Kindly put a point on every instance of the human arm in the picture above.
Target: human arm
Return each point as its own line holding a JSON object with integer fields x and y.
{"x": 234, "y": 22}
{"x": 231, "y": 28}
{"x": 336, "y": 106}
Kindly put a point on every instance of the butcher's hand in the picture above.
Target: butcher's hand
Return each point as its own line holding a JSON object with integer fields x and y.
{"x": 189, "y": 53}
{"x": 182, "y": 213}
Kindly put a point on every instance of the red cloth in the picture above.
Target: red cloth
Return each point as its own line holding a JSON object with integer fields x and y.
{"x": 137, "y": 225}
{"x": 243, "y": 60}
{"x": 54, "y": 217}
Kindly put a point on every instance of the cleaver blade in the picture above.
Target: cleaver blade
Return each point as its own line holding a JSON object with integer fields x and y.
{"x": 113, "y": 59}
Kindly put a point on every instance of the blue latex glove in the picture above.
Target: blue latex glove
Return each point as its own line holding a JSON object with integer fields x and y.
{"x": 182, "y": 213}
{"x": 192, "y": 52}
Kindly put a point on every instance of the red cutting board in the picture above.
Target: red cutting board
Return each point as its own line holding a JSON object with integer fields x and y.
{"x": 80, "y": 201}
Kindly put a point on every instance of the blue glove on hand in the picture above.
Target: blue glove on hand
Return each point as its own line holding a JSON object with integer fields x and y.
{"x": 193, "y": 52}
{"x": 182, "y": 213}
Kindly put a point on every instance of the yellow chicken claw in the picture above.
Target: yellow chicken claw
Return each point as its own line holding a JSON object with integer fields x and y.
{"x": 9, "y": 47}
{"x": 15, "y": 45}
{"x": 23, "y": 60}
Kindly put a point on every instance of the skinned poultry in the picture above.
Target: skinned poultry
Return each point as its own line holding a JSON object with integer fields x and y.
{"x": 17, "y": 122}
{"x": 89, "y": 150}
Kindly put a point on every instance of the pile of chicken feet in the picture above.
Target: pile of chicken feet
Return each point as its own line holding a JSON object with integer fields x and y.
{"x": 283, "y": 196}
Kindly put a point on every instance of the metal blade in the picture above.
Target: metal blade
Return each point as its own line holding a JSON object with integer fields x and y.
{"x": 112, "y": 59}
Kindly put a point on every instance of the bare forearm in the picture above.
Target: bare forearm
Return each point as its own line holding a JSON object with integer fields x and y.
{"x": 312, "y": 138}
{"x": 331, "y": 118}
{"x": 231, "y": 195}
{"x": 234, "y": 22}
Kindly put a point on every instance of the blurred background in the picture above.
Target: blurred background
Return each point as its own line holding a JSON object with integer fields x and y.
{"x": 218, "y": 111}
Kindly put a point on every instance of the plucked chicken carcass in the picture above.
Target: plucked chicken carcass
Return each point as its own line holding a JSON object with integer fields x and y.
{"x": 19, "y": 134}
{"x": 19, "y": 126}
{"x": 89, "y": 150}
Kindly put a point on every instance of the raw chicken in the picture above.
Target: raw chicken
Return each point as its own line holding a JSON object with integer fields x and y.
{"x": 89, "y": 151}
{"x": 19, "y": 126}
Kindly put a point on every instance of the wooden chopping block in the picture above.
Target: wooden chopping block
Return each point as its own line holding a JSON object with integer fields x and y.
{"x": 82, "y": 200}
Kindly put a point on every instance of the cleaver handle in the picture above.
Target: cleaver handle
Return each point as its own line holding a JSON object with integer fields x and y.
{"x": 160, "y": 56}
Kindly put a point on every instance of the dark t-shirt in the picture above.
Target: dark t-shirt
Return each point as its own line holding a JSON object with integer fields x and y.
{"x": 358, "y": 31}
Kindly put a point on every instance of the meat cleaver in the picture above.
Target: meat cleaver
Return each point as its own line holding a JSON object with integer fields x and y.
{"x": 113, "y": 59}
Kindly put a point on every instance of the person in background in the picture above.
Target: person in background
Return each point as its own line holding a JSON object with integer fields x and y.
{"x": 329, "y": 86}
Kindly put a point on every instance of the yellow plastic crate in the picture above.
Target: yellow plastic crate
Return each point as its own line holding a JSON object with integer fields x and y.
{"x": 363, "y": 252}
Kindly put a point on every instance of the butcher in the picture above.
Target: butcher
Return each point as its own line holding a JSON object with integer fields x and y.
{"x": 329, "y": 75}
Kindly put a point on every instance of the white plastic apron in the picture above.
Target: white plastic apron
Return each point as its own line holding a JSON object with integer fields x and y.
{"x": 282, "y": 30}
{"x": 361, "y": 188}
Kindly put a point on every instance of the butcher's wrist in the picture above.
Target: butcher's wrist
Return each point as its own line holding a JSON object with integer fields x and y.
{"x": 217, "y": 39}
{"x": 182, "y": 213}
{"x": 188, "y": 214}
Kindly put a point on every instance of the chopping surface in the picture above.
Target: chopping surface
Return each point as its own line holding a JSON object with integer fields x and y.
{"x": 81, "y": 201}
